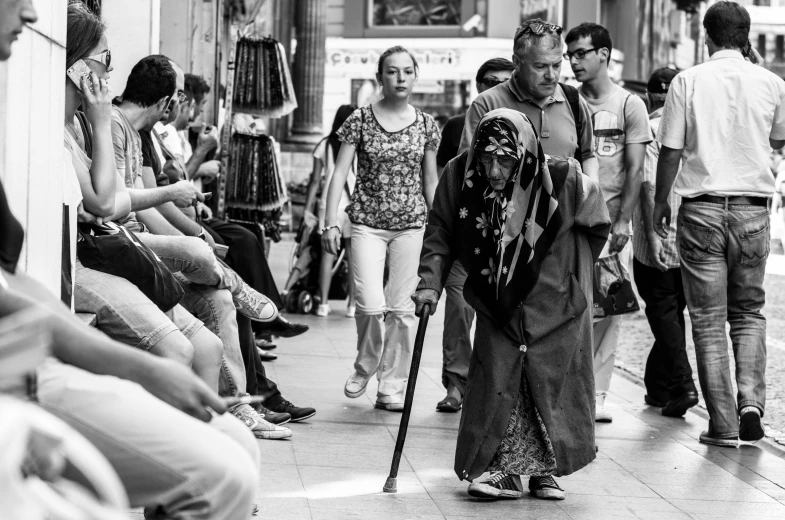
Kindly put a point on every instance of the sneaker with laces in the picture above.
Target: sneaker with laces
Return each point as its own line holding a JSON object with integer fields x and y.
{"x": 297, "y": 413}
{"x": 254, "y": 305}
{"x": 391, "y": 403}
{"x": 355, "y": 385}
{"x": 323, "y": 310}
{"x": 258, "y": 426}
{"x": 497, "y": 485}
{"x": 272, "y": 417}
{"x": 545, "y": 488}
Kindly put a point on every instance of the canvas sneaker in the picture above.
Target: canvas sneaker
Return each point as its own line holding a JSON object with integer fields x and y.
{"x": 254, "y": 305}
{"x": 258, "y": 426}
{"x": 355, "y": 385}
{"x": 323, "y": 310}
{"x": 497, "y": 485}
{"x": 600, "y": 413}
{"x": 391, "y": 403}
{"x": 545, "y": 488}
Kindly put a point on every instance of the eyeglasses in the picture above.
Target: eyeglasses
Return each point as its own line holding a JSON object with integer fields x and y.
{"x": 505, "y": 161}
{"x": 580, "y": 53}
{"x": 491, "y": 82}
{"x": 537, "y": 28}
{"x": 105, "y": 58}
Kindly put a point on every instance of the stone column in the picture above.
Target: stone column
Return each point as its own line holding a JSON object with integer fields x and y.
{"x": 308, "y": 72}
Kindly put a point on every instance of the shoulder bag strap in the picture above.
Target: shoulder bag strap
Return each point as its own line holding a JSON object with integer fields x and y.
{"x": 574, "y": 100}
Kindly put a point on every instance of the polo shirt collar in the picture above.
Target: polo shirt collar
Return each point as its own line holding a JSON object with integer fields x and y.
{"x": 727, "y": 53}
{"x": 523, "y": 96}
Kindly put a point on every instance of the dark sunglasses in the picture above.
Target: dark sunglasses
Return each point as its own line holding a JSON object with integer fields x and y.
{"x": 105, "y": 58}
{"x": 537, "y": 28}
{"x": 490, "y": 83}
{"x": 580, "y": 53}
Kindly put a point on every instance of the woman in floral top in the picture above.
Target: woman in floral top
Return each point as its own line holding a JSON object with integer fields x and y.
{"x": 396, "y": 178}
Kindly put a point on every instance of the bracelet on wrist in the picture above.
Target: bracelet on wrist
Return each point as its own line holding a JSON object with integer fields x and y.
{"x": 328, "y": 228}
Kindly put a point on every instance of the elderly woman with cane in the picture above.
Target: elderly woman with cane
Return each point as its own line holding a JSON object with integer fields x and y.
{"x": 528, "y": 228}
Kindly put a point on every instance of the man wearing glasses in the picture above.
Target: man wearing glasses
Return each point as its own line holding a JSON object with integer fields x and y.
{"x": 535, "y": 91}
{"x": 459, "y": 315}
{"x": 621, "y": 132}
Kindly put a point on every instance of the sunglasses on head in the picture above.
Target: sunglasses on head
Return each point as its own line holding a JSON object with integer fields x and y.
{"x": 104, "y": 57}
{"x": 537, "y": 28}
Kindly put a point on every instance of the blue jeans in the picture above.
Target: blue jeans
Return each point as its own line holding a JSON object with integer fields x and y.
{"x": 723, "y": 260}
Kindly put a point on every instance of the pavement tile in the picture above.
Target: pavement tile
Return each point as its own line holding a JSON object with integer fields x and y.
{"x": 702, "y": 491}
{"x": 289, "y": 508}
{"x": 726, "y": 507}
{"x": 377, "y": 456}
{"x": 459, "y": 503}
{"x": 400, "y": 505}
{"x": 349, "y": 514}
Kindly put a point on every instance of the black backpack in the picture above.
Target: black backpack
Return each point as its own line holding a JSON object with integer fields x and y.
{"x": 574, "y": 99}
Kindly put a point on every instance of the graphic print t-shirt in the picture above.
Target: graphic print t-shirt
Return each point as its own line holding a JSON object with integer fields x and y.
{"x": 618, "y": 120}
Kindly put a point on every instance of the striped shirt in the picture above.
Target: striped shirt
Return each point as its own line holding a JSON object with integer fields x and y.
{"x": 640, "y": 244}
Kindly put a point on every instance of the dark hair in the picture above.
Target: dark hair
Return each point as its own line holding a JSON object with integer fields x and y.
{"x": 152, "y": 79}
{"x": 341, "y": 115}
{"x": 727, "y": 24}
{"x": 196, "y": 87}
{"x": 493, "y": 65}
{"x": 600, "y": 37}
{"x": 83, "y": 34}
{"x": 395, "y": 50}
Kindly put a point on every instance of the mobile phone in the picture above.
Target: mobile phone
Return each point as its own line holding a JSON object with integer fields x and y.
{"x": 77, "y": 71}
{"x": 245, "y": 399}
{"x": 207, "y": 195}
{"x": 746, "y": 51}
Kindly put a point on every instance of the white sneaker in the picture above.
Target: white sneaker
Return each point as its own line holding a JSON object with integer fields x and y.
{"x": 351, "y": 310}
{"x": 355, "y": 385}
{"x": 258, "y": 426}
{"x": 391, "y": 403}
{"x": 600, "y": 413}
{"x": 323, "y": 309}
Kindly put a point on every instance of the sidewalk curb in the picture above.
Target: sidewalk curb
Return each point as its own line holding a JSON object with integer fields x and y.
{"x": 775, "y": 443}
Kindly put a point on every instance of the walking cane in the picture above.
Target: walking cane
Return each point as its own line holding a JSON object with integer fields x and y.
{"x": 391, "y": 486}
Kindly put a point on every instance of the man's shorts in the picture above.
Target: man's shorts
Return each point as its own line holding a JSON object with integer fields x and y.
{"x": 124, "y": 313}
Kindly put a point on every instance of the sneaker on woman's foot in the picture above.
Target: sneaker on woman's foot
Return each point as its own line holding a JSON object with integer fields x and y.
{"x": 258, "y": 426}
{"x": 355, "y": 385}
{"x": 351, "y": 310}
{"x": 497, "y": 485}
{"x": 546, "y": 488}
{"x": 254, "y": 305}
{"x": 323, "y": 310}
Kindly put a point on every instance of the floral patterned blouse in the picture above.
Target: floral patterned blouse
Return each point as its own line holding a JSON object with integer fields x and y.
{"x": 389, "y": 190}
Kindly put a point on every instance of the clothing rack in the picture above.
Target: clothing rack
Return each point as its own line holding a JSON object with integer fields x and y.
{"x": 258, "y": 83}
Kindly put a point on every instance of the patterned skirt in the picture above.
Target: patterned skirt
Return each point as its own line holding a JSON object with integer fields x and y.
{"x": 525, "y": 448}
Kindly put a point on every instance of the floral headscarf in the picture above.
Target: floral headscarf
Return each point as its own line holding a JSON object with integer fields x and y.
{"x": 506, "y": 233}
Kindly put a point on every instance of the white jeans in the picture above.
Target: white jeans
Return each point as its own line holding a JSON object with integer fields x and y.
{"x": 164, "y": 458}
{"x": 384, "y": 342}
{"x": 606, "y": 337}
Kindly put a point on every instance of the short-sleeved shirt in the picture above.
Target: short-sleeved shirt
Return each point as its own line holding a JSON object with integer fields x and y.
{"x": 389, "y": 189}
{"x": 554, "y": 123}
{"x": 127, "y": 155}
{"x": 617, "y": 120}
{"x": 721, "y": 114}
{"x": 640, "y": 242}
{"x": 451, "y": 139}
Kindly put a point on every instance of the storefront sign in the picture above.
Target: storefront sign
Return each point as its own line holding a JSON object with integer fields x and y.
{"x": 347, "y": 58}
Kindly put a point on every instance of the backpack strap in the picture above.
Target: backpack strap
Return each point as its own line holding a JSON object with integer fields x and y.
{"x": 87, "y": 132}
{"x": 574, "y": 100}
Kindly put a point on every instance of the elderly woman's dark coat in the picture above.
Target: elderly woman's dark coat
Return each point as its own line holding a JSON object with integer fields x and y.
{"x": 556, "y": 322}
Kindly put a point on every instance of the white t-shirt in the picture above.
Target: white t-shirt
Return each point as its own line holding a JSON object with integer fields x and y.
{"x": 721, "y": 114}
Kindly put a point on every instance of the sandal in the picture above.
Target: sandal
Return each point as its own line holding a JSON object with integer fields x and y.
{"x": 449, "y": 405}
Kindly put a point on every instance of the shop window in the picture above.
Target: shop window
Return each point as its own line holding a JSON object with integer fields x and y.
{"x": 422, "y": 12}
{"x": 408, "y": 18}
{"x": 779, "y": 50}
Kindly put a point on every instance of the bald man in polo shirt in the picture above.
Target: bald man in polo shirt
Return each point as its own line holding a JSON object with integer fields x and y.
{"x": 534, "y": 90}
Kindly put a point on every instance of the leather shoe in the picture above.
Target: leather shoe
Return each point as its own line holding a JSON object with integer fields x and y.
{"x": 679, "y": 406}
{"x": 449, "y": 405}
{"x": 653, "y": 402}
{"x": 284, "y": 328}
{"x": 265, "y": 344}
{"x": 750, "y": 428}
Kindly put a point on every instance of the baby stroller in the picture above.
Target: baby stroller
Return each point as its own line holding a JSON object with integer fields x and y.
{"x": 303, "y": 284}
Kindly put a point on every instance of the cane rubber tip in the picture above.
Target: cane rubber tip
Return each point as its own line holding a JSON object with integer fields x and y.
{"x": 391, "y": 486}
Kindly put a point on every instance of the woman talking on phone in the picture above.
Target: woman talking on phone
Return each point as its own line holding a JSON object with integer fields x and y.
{"x": 396, "y": 179}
